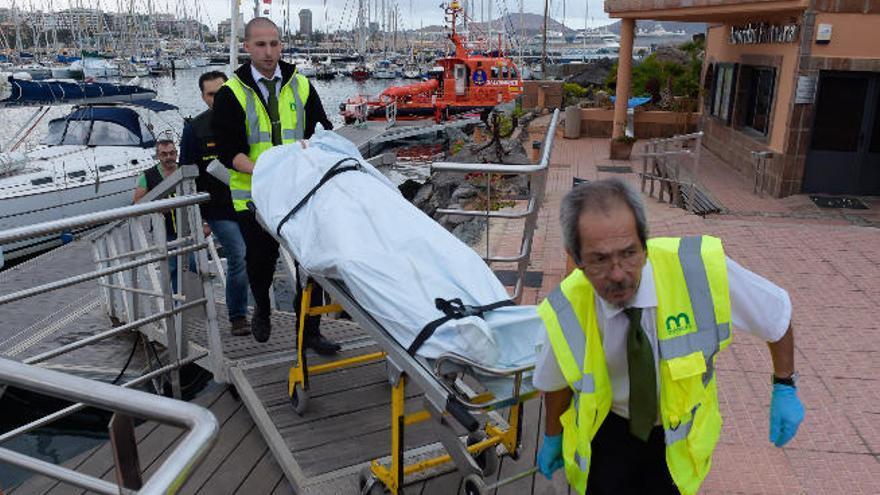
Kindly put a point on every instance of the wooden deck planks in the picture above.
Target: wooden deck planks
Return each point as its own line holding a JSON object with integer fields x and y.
{"x": 263, "y": 478}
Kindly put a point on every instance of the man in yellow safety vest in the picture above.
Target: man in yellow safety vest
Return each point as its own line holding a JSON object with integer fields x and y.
{"x": 265, "y": 103}
{"x": 628, "y": 363}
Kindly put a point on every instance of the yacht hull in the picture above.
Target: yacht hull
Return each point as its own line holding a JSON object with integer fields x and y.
{"x": 46, "y": 206}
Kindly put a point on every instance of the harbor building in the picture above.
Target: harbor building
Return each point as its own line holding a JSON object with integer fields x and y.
{"x": 795, "y": 80}
{"x": 305, "y": 22}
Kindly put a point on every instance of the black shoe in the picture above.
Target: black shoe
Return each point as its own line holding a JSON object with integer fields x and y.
{"x": 239, "y": 326}
{"x": 261, "y": 327}
{"x": 321, "y": 344}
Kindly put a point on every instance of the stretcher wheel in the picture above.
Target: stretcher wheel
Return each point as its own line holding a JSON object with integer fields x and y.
{"x": 369, "y": 484}
{"x": 474, "y": 485}
{"x": 488, "y": 458}
{"x": 299, "y": 400}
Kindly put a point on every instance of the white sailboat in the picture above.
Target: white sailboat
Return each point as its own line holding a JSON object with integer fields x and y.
{"x": 87, "y": 161}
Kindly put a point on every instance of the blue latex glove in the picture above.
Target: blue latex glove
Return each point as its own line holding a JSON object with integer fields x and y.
{"x": 786, "y": 414}
{"x": 550, "y": 455}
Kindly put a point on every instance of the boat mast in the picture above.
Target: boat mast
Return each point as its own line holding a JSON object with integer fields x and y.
{"x": 489, "y": 7}
{"x": 522, "y": 34}
{"x": 18, "y": 47}
{"x": 233, "y": 34}
{"x": 544, "y": 42}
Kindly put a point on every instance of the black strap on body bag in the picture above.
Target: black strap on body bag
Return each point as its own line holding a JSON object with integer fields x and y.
{"x": 453, "y": 309}
{"x": 335, "y": 170}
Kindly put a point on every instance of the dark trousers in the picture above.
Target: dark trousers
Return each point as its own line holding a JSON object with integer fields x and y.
{"x": 261, "y": 256}
{"x": 623, "y": 464}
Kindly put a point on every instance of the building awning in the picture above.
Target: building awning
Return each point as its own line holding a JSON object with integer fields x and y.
{"x": 700, "y": 10}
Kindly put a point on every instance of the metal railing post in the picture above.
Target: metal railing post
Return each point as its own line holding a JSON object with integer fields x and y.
{"x": 537, "y": 173}
{"x": 161, "y": 241}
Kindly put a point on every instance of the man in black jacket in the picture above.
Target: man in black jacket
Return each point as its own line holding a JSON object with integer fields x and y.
{"x": 199, "y": 147}
{"x": 280, "y": 103}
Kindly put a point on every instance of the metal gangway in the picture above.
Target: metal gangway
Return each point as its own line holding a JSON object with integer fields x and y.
{"x": 122, "y": 400}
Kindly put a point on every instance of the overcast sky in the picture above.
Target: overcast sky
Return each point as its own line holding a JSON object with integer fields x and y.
{"x": 413, "y": 13}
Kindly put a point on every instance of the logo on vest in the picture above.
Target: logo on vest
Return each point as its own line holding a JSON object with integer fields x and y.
{"x": 678, "y": 324}
{"x": 293, "y": 106}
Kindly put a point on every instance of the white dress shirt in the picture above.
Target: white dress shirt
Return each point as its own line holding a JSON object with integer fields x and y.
{"x": 262, "y": 87}
{"x": 757, "y": 306}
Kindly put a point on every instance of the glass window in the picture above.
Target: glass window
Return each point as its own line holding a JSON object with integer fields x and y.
{"x": 76, "y": 174}
{"x": 147, "y": 135}
{"x": 41, "y": 181}
{"x": 722, "y": 91}
{"x": 56, "y": 132}
{"x": 77, "y": 132}
{"x": 111, "y": 134}
{"x": 757, "y": 85}
{"x": 494, "y": 72}
{"x": 106, "y": 168}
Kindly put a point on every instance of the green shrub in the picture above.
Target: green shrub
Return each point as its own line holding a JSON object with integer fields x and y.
{"x": 571, "y": 92}
{"x": 650, "y": 72}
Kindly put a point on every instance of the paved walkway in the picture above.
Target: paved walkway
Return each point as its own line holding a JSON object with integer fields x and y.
{"x": 829, "y": 261}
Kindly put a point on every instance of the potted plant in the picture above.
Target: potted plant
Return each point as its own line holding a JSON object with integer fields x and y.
{"x": 621, "y": 147}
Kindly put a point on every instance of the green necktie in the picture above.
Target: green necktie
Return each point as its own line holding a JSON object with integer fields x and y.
{"x": 642, "y": 377}
{"x": 272, "y": 100}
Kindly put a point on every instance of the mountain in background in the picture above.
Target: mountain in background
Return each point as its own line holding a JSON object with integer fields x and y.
{"x": 688, "y": 27}
{"x": 533, "y": 24}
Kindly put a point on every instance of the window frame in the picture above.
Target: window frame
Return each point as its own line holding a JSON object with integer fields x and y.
{"x": 748, "y": 111}
{"x": 717, "y": 106}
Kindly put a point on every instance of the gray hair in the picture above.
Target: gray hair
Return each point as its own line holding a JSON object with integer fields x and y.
{"x": 601, "y": 196}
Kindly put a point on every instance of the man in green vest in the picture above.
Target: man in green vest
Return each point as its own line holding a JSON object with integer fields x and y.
{"x": 628, "y": 363}
{"x": 266, "y": 103}
{"x": 166, "y": 153}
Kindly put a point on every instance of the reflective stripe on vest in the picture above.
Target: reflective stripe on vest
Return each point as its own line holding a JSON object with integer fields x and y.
{"x": 708, "y": 338}
{"x": 255, "y": 135}
{"x": 259, "y": 128}
{"x": 709, "y": 335}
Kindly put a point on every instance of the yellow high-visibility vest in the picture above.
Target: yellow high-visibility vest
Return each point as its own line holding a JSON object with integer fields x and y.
{"x": 259, "y": 127}
{"x": 693, "y": 324}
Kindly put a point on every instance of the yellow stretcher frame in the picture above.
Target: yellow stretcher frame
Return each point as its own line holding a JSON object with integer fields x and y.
{"x": 298, "y": 376}
{"x": 391, "y": 476}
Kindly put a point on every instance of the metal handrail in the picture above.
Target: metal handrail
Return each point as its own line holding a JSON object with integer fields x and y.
{"x": 199, "y": 421}
{"x": 530, "y": 213}
{"x": 89, "y": 219}
{"x": 169, "y": 477}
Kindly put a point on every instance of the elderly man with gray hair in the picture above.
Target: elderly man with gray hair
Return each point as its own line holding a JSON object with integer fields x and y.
{"x": 628, "y": 362}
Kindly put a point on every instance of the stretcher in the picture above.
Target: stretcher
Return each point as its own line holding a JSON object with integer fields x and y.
{"x": 459, "y": 394}
{"x": 312, "y": 199}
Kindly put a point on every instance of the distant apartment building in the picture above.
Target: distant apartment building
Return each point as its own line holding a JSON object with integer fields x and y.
{"x": 91, "y": 20}
{"x": 305, "y": 22}
{"x": 223, "y": 28}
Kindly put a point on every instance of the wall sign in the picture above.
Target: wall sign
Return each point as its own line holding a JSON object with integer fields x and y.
{"x": 823, "y": 34}
{"x": 806, "y": 89}
{"x": 759, "y": 33}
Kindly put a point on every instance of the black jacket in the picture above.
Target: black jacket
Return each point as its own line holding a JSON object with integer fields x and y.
{"x": 229, "y": 119}
{"x": 198, "y": 147}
